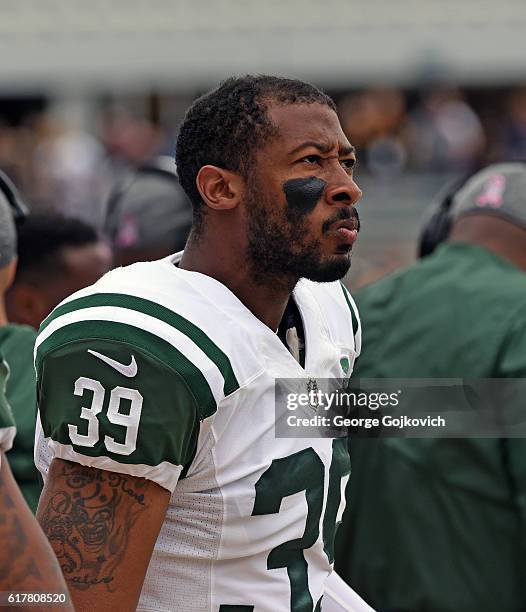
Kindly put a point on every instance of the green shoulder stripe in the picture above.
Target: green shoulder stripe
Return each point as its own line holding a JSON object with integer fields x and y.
{"x": 162, "y": 313}
{"x": 353, "y": 313}
{"x": 143, "y": 340}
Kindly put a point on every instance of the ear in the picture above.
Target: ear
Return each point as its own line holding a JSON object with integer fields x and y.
{"x": 220, "y": 189}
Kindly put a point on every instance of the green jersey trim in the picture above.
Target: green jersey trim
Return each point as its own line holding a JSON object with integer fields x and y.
{"x": 141, "y": 339}
{"x": 165, "y": 474}
{"x": 354, "y": 319}
{"x": 175, "y": 320}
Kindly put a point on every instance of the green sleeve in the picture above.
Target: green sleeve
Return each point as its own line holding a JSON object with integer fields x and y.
{"x": 17, "y": 346}
{"x": 113, "y": 405}
{"x": 7, "y": 424}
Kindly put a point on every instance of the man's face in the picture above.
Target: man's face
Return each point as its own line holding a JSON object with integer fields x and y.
{"x": 300, "y": 197}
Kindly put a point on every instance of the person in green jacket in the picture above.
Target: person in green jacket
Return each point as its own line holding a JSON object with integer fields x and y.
{"x": 436, "y": 524}
{"x": 56, "y": 258}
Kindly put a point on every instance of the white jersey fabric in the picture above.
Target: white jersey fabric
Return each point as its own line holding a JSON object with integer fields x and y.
{"x": 339, "y": 597}
{"x": 251, "y": 518}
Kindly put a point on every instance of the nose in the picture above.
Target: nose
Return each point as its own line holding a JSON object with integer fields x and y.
{"x": 345, "y": 193}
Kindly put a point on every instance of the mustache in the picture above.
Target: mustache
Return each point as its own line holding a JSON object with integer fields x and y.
{"x": 343, "y": 214}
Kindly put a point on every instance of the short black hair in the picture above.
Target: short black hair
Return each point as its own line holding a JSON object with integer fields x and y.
{"x": 225, "y": 126}
{"x": 41, "y": 238}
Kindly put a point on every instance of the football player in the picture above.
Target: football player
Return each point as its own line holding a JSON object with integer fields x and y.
{"x": 166, "y": 485}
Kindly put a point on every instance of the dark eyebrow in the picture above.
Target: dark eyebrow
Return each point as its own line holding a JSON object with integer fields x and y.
{"x": 347, "y": 150}
{"x": 323, "y": 148}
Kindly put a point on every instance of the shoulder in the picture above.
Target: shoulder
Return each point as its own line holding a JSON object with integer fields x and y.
{"x": 18, "y": 333}
{"x": 17, "y": 346}
{"x": 163, "y": 313}
{"x": 16, "y": 338}
{"x": 127, "y": 368}
{"x": 121, "y": 382}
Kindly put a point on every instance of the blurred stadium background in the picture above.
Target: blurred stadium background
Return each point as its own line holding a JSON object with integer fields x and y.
{"x": 427, "y": 90}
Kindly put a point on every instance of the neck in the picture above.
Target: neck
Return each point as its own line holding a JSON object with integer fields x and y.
{"x": 266, "y": 299}
{"x": 3, "y": 314}
{"x": 494, "y": 234}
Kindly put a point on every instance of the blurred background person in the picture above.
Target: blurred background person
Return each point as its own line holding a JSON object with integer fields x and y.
{"x": 56, "y": 257}
{"x": 438, "y": 524}
{"x": 443, "y": 132}
{"x": 148, "y": 215}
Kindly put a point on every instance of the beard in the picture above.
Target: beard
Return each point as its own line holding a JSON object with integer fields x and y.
{"x": 277, "y": 252}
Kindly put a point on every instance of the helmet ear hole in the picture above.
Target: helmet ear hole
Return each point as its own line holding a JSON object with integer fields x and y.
{"x": 436, "y": 229}
{"x": 438, "y": 221}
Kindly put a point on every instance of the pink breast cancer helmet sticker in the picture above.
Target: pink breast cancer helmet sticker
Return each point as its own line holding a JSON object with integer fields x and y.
{"x": 492, "y": 192}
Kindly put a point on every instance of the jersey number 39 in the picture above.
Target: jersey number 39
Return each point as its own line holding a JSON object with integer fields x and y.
{"x": 129, "y": 421}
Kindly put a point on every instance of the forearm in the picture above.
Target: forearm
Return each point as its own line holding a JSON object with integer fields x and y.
{"x": 27, "y": 562}
{"x": 102, "y": 527}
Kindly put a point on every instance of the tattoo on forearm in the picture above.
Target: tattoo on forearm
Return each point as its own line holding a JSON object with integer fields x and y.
{"x": 17, "y": 565}
{"x": 88, "y": 524}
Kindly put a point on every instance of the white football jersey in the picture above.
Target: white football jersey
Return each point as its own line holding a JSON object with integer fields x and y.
{"x": 163, "y": 373}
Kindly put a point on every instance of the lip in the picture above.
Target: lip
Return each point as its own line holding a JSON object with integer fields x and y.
{"x": 346, "y": 230}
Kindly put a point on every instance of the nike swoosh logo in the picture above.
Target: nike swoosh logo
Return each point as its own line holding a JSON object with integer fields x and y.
{"x": 126, "y": 370}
